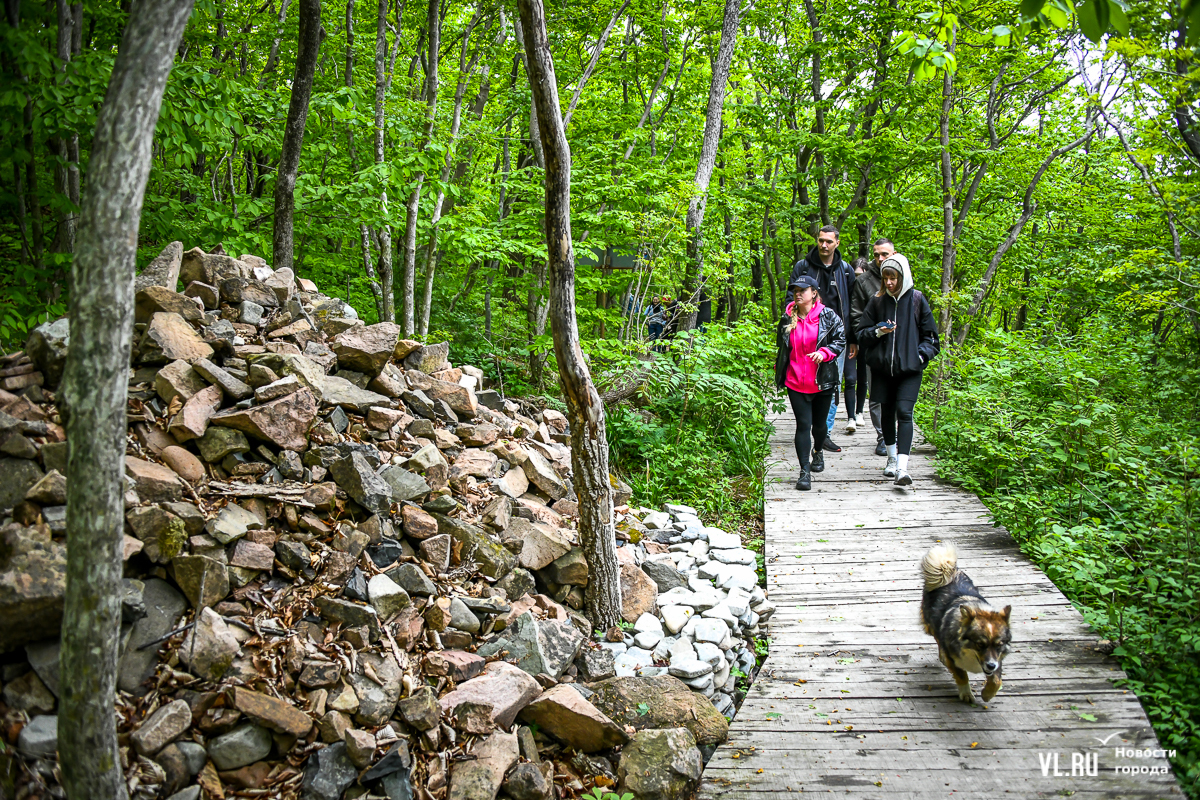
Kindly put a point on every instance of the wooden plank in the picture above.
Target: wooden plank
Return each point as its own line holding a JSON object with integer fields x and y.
{"x": 859, "y": 703}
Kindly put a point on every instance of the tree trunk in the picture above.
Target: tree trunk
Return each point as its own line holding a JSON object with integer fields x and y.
{"x": 433, "y": 22}
{"x": 293, "y": 133}
{"x": 66, "y": 167}
{"x": 93, "y": 396}
{"x": 708, "y": 159}
{"x": 387, "y": 295}
{"x": 431, "y": 251}
{"x": 947, "y": 198}
{"x": 364, "y": 233}
{"x": 589, "y": 447}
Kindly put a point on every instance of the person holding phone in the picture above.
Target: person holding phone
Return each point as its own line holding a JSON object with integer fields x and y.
{"x": 898, "y": 336}
{"x": 809, "y": 340}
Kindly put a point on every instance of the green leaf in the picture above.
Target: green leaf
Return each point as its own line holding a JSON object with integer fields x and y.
{"x": 1031, "y": 8}
{"x": 1118, "y": 18}
{"x": 1087, "y": 717}
{"x": 1089, "y": 22}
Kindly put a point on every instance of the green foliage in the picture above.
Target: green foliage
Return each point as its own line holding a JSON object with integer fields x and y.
{"x": 1087, "y": 447}
{"x": 697, "y": 434}
{"x": 600, "y": 794}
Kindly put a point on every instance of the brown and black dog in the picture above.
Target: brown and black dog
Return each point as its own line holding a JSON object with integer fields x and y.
{"x": 972, "y": 636}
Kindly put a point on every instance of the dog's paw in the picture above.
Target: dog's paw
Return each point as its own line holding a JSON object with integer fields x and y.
{"x": 990, "y": 689}
{"x": 965, "y": 694}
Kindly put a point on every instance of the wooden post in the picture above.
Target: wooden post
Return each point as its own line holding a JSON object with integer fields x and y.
{"x": 589, "y": 447}
{"x": 93, "y": 396}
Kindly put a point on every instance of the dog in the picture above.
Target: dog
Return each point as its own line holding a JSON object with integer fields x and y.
{"x": 971, "y": 635}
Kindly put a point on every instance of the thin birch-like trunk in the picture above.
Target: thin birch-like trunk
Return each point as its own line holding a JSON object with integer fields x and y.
{"x": 282, "y": 243}
{"x": 589, "y": 447}
{"x": 93, "y": 393}
{"x": 708, "y": 159}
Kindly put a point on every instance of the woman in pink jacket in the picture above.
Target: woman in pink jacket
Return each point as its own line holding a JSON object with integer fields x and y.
{"x": 809, "y": 340}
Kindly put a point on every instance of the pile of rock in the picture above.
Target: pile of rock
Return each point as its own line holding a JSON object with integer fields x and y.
{"x": 352, "y": 567}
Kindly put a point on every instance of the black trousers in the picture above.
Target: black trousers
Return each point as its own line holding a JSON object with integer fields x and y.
{"x": 897, "y": 396}
{"x": 855, "y": 389}
{"x": 811, "y": 411}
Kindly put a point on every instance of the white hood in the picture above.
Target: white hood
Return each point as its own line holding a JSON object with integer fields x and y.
{"x": 900, "y": 262}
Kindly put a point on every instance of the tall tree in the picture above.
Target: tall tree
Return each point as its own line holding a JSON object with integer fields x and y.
{"x": 433, "y": 23}
{"x": 589, "y": 447}
{"x": 708, "y": 159}
{"x": 94, "y": 386}
{"x": 386, "y": 294}
{"x": 293, "y": 134}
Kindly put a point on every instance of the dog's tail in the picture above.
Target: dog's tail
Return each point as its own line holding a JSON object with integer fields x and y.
{"x": 939, "y": 566}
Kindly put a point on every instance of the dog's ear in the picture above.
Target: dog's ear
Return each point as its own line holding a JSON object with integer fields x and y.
{"x": 966, "y": 614}
{"x": 1007, "y": 613}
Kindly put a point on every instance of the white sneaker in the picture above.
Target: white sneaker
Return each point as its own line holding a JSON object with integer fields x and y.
{"x": 851, "y": 425}
{"x": 902, "y": 478}
{"x": 892, "y": 466}
{"x": 858, "y": 420}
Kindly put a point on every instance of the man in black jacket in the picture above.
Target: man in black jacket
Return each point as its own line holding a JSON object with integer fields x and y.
{"x": 835, "y": 282}
{"x": 867, "y": 286}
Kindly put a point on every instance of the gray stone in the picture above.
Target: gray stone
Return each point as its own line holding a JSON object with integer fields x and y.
{"x": 230, "y": 385}
{"x": 429, "y": 359}
{"x": 539, "y": 646}
{"x": 33, "y": 579}
{"x": 232, "y": 523}
{"x": 250, "y": 313}
{"x": 216, "y": 443}
{"x": 420, "y": 709}
{"x": 462, "y": 617}
{"x": 481, "y": 777}
{"x": 164, "y": 606}
{"x": 350, "y": 614}
{"x": 720, "y": 540}
{"x": 27, "y": 693}
{"x": 163, "y": 270}
{"x": 335, "y": 391}
{"x": 665, "y": 577}
{"x": 542, "y": 475}
{"x": 517, "y": 583}
{"x": 527, "y": 782}
{"x": 210, "y": 647}
{"x": 243, "y": 745}
{"x": 494, "y": 561}
{"x": 387, "y": 597}
{"x": 689, "y": 668}
{"x": 166, "y": 724}
{"x": 353, "y": 474}
{"x": 595, "y": 664}
{"x": 660, "y": 765}
{"x": 43, "y": 657}
{"x": 570, "y": 569}
{"x": 20, "y": 475}
{"x": 412, "y": 579}
{"x": 39, "y": 737}
{"x": 739, "y": 556}
{"x": 541, "y": 544}
{"x": 376, "y": 701}
{"x": 405, "y": 485}
{"x": 187, "y": 793}
{"x": 47, "y": 346}
{"x": 195, "y": 756}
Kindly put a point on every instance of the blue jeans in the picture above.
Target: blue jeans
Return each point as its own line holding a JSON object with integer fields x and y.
{"x": 841, "y": 361}
{"x": 655, "y": 329}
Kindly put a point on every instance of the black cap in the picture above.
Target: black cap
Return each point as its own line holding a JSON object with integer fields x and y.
{"x": 804, "y": 282}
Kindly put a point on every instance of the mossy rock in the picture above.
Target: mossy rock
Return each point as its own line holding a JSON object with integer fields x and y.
{"x": 660, "y": 702}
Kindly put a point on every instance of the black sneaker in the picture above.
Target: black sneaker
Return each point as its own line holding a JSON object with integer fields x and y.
{"x": 881, "y": 448}
{"x": 804, "y": 482}
{"x": 818, "y": 462}
{"x": 829, "y": 445}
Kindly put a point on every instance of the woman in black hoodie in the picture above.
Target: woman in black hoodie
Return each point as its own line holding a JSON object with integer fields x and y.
{"x": 899, "y": 337}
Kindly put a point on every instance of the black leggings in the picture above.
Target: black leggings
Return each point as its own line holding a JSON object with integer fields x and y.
{"x": 853, "y": 392}
{"x": 811, "y": 411}
{"x": 863, "y": 383}
{"x": 897, "y": 394}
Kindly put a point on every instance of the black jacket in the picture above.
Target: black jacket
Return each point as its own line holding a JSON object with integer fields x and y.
{"x": 866, "y": 286}
{"x": 915, "y": 341}
{"x": 830, "y": 333}
{"x": 834, "y": 282}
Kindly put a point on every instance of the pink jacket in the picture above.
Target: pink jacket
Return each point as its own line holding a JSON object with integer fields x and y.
{"x": 802, "y": 371}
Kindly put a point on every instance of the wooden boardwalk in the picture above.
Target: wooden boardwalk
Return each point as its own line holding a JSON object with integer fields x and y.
{"x": 853, "y": 699}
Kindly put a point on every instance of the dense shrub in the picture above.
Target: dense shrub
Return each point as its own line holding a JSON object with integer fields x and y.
{"x": 1088, "y": 449}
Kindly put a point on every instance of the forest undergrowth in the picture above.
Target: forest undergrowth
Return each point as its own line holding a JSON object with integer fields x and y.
{"x": 1087, "y": 448}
